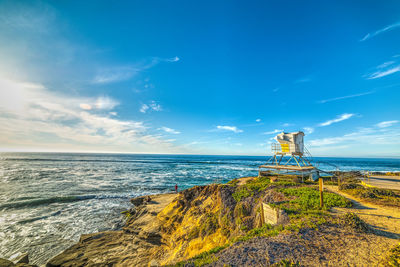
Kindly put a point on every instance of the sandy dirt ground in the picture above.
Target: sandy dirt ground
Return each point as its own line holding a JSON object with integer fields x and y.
{"x": 384, "y": 181}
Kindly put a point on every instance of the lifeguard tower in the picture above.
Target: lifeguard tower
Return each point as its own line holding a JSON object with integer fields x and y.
{"x": 289, "y": 145}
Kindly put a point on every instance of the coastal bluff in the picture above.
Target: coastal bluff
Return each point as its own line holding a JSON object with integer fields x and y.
{"x": 131, "y": 246}
{"x": 251, "y": 221}
{"x": 166, "y": 228}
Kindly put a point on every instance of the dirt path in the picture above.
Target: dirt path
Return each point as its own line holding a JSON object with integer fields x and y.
{"x": 385, "y": 220}
{"x": 384, "y": 181}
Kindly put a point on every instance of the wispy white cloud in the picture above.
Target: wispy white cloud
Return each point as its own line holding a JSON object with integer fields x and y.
{"x": 169, "y": 130}
{"x": 385, "y": 29}
{"x": 116, "y": 74}
{"x": 85, "y": 106}
{"x": 344, "y": 97}
{"x": 258, "y": 120}
{"x": 124, "y": 73}
{"x": 152, "y": 106}
{"x": 174, "y": 59}
{"x": 144, "y": 108}
{"x": 308, "y": 130}
{"x": 273, "y": 132}
{"x": 383, "y": 72}
{"x": 101, "y": 103}
{"x": 33, "y": 117}
{"x": 229, "y": 128}
{"x": 304, "y": 79}
{"x": 370, "y": 136}
{"x": 340, "y": 118}
{"x": 385, "y": 124}
{"x": 385, "y": 64}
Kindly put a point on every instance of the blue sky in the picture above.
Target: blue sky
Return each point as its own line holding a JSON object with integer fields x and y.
{"x": 201, "y": 77}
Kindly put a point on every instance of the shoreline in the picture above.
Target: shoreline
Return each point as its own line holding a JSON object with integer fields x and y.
{"x": 136, "y": 243}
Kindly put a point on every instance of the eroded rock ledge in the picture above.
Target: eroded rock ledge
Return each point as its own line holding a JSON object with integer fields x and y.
{"x": 132, "y": 246}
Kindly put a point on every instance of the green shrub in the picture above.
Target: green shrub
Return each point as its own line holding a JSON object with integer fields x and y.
{"x": 286, "y": 263}
{"x": 242, "y": 209}
{"x": 240, "y": 193}
{"x": 233, "y": 182}
{"x": 259, "y": 184}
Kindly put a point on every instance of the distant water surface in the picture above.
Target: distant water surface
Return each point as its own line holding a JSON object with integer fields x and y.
{"x": 47, "y": 200}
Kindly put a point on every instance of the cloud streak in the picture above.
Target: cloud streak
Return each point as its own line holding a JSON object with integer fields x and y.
{"x": 385, "y": 124}
{"x": 124, "y": 73}
{"x": 370, "y": 136}
{"x": 229, "y": 128}
{"x": 383, "y": 73}
{"x": 116, "y": 74}
{"x": 340, "y": 118}
{"x": 344, "y": 97}
{"x": 273, "y": 132}
{"x": 385, "y": 29}
{"x": 169, "y": 130}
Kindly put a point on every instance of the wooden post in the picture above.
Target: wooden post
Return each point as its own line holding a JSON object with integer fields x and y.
{"x": 262, "y": 214}
{"x": 321, "y": 191}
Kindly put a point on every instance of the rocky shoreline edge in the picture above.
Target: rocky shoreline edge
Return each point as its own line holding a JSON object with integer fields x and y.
{"x": 225, "y": 224}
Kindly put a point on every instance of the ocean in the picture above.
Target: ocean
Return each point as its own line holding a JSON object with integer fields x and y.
{"x": 47, "y": 200}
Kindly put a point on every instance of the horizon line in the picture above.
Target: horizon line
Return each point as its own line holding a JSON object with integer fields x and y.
{"x": 184, "y": 154}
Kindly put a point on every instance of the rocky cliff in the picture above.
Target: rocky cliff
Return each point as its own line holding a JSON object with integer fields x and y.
{"x": 168, "y": 228}
{"x": 191, "y": 228}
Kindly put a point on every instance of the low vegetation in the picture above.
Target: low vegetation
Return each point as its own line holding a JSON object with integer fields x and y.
{"x": 351, "y": 220}
{"x": 371, "y": 194}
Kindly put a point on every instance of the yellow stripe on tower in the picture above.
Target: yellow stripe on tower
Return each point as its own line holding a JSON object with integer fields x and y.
{"x": 285, "y": 147}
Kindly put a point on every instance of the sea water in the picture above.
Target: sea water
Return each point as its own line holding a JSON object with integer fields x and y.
{"x": 47, "y": 200}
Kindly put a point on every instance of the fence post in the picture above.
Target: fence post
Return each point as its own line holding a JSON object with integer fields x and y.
{"x": 321, "y": 191}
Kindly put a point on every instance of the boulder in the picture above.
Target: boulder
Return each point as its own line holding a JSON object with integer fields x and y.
{"x": 23, "y": 258}
{"x": 137, "y": 201}
{"x": 6, "y": 263}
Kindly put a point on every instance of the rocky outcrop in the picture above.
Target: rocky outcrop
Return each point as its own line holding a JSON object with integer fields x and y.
{"x": 168, "y": 228}
{"x": 20, "y": 261}
{"x": 132, "y": 246}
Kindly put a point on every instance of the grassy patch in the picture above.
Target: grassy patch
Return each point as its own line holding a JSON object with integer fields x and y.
{"x": 241, "y": 192}
{"x": 307, "y": 199}
{"x": 259, "y": 184}
{"x": 233, "y": 182}
{"x": 286, "y": 263}
{"x": 203, "y": 258}
{"x": 266, "y": 230}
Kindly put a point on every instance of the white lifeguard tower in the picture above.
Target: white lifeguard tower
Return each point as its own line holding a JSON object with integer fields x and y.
{"x": 289, "y": 145}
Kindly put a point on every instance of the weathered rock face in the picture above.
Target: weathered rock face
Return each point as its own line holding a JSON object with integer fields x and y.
{"x": 6, "y": 263}
{"x": 130, "y": 247}
{"x": 165, "y": 229}
{"x": 202, "y": 218}
{"x": 19, "y": 262}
